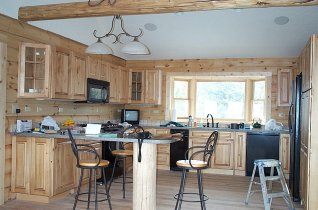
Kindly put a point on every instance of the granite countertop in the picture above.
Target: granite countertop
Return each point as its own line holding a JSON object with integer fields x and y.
{"x": 100, "y": 137}
{"x": 253, "y": 130}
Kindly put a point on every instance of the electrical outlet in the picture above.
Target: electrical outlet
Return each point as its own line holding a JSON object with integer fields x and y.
{"x": 38, "y": 109}
{"x": 61, "y": 109}
{"x": 14, "y": 108}
{"x": 27, "y": 109}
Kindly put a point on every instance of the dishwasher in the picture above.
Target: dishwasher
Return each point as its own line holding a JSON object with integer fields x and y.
{"x": 261, "y": 146}
{"x": 178, "y": 149}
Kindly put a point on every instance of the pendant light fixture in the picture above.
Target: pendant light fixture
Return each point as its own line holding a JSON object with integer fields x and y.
{"x": 135, "y": 47}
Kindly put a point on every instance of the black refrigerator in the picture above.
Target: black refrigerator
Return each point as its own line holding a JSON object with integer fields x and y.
{"x": 294, "y": 130}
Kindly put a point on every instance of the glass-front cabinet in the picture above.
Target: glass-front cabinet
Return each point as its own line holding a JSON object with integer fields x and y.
{"x": 137, "y": 86}
{"x": 34, "y": 70}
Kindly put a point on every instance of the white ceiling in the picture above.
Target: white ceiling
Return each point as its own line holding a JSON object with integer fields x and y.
{"x": 244, "y": 33}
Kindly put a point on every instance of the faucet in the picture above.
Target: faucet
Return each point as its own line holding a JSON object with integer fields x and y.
{"x": 207, "y": 121}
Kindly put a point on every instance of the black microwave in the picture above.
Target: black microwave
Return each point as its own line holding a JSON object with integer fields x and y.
{"x": 130, "y": 116}
{"x": 97, "y": 91}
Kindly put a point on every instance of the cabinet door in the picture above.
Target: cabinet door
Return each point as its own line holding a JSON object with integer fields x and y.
{"x": 305, "y": 118}
{"x": 240, "y": 151}
{"x": 284, "y": 87}
{"x": 21, "y": 158}
{"x": 94, "y": 67}
{"x": 303, "y": 176}
{"x": 284, "y": 152}
{"x": 306, "y": 60}
{"x": 61, "y": 76}
{"x": 64, "y": 177}
{"x": 40, "y": 181}
{"x": 123, "y": 83}
{"x": 136, "y": 86}
{"x": 78, "y": 79}
{"x": 34, "y": 70}
{"x": 153, "y": 87}
{"x": 163, "y": 151}
{"x": 104, "y": 71}
{"x": 223, "y": 154}
{"x": 114, "y": 87}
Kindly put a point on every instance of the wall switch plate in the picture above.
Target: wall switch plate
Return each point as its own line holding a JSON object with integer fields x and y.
{"x": 14, "y": 108}
{"x": 39, "y": 109}
{"x": 61, "y": 109}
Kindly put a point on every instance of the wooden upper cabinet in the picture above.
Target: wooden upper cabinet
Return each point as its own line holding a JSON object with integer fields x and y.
{"x": 94, "y": 66}
{"x": 61, "y": 75}
{"x": 34, "y": 70}
{"x": 123, "y": 84}
{"x": 78, "y": 77}
{"x": 305, "y": 65}
{"x": 145, "y": 86}
{"x": 114, "y": 83}
{"x": 153, "y": 87}
{"x": 284, "y": 87}
{"x": 104, "y": 71}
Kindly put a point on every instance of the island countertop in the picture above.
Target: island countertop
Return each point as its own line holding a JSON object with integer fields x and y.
{"x": 100, "y": 137}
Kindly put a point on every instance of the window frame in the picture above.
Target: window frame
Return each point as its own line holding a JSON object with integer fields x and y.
{"x": 188, "y": 99}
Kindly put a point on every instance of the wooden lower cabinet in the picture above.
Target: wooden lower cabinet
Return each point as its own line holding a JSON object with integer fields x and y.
{"x": 284, "y": 153}
{"x": 240, "y": 153}
{"x": 44, "y": 168}
{"x": 163, "y": 151}
{"x": 303, "y": 181}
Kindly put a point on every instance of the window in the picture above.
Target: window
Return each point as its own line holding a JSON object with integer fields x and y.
{"x": 226, "y": 100}
{"x": 181, "y": 98}
{"x": 258, "y": 101}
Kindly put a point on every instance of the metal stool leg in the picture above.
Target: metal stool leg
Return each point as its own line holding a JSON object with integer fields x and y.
{"x": 250, "y": 186}
{"x": 181, "y": 189}
{"x": 95, "y": 189}
{"x": 89, "y": 188}
{"x": 78, "y": 189}
{"x": 124, "y": 178}
{"x": 285, "y": 188}
{"x": 202, "y": 202}
{"x": 106, "y": 189}
{"x": 112, "y": 177}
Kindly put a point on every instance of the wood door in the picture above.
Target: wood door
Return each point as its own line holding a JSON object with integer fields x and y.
{"x": 114, "y": 87}
{"x": 304, "y": 173}
{"x": 284, "y": 87}
{"x": 153, "y": 86}
{"x": 284, "y": 152}
{"x": 136, "y": 86}
{"x": 104, "y": 71}
{"x": 78, "y": 79}
{"x": 21, "y": 165}
{"x": 93, "y": 70}
{"x": 124, "y": 83}
{"x": 163, "y": 151}
{"x": 34, "y": 70}
{"x": 61, "y": 74}
{"x": 64, "y": 173}
{"x": 40, "y": 180}
{"x": 240, "y": 151}
{"x": 305, "y": 118}
{"x": 223, "y": 154}
{"x": 306, "y": 61}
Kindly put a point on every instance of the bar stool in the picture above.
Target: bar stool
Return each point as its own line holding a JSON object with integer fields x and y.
{"x": 268, "y": 195}
{"x": 196, "y": 163}
{"x": 121, "y": 154}
{"x": 92, "y": 165}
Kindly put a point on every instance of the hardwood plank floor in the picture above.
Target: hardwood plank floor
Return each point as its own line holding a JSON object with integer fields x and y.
{"x": 224, "y": 192}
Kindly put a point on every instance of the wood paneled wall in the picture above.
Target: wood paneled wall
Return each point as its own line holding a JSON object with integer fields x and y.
{"x": 227, "y": 66}
{"x": 13, "y": 33}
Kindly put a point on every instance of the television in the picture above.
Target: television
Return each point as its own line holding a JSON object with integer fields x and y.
{"x": 130, "y": 116}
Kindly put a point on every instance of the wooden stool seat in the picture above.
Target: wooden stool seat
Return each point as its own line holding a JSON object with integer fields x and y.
{"x": 195, "y": 163}
{"x": 123, "y": 153}
{"x": 92, "y": 163}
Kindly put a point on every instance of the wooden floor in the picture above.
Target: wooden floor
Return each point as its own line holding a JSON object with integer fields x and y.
{"x": 224, "y": 192}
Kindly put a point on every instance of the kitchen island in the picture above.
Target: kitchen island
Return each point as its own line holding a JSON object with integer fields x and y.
{"x": 44, "y": 168}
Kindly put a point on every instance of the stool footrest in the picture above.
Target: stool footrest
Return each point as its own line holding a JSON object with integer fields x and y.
{"x": 181, "y": 199}
{"x": 86, "y": 193}
{"x": 272, "y": 178}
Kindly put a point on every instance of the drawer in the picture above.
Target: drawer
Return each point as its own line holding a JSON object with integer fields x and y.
{"x": 222, "y": 135}
{"x": 162, "y": 131}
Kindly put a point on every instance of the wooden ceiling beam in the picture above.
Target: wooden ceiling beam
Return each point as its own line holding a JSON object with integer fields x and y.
{"x": 136, "y": 7}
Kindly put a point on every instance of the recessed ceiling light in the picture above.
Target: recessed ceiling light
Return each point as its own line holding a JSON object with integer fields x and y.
{"x": 150, "y": 26}
{"x": 281, "y": 20}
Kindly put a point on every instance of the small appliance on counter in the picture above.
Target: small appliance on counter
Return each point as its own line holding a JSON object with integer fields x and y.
{"x": 24, "y": 126}
{"x": 49, "y": 125}
{"x": 130, "y": 116}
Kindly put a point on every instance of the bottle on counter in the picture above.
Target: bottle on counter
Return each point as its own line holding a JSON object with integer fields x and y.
{"x": 190, "y": 121}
